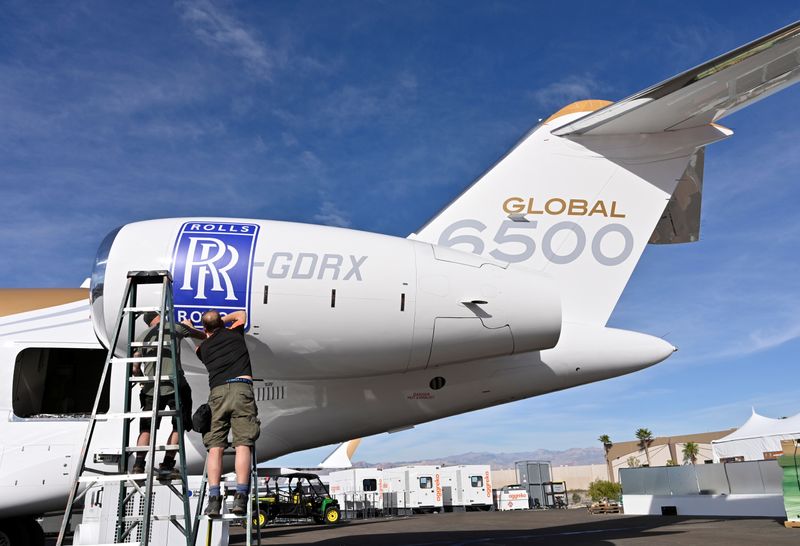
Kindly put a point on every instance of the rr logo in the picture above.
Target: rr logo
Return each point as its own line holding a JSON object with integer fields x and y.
{"x": 212, "y": 266}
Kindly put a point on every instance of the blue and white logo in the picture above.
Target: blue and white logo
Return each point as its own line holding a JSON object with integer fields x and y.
{"x": 211, "y": 268}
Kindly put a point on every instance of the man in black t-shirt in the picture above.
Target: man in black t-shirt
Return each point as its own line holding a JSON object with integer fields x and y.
{"x": 232, "y": 403}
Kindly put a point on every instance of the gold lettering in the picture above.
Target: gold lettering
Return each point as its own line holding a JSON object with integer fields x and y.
{"x": 532, "y": 210}
{"x": 550, "y": 210}
{"x": 599, "y": 208}
{"x": 513, "y": 205}
{"x": 557, "y": 205}
{"x": 578, "y": 207}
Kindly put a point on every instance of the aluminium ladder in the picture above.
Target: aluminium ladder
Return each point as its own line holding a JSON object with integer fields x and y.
{"x": 141, "y": 484}
{"x": 250, "y": 518}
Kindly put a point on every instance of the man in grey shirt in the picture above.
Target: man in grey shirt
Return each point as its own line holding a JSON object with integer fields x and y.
{"x": 166, "y": 470}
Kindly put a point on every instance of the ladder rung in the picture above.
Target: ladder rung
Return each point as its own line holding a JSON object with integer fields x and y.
{"x": 149, "y": 378}
{"x": 159, "y": 517}
{"x": 223, "y": 516}
{"x": 145, "y": 449}
{"x": 142, "y": 309}
{"x": 117, "y": 360}
{"x": 134, "y": 415}
{"x": 166, "y": 343}
{"x": 116, "y": 544}
{"x": 112, "y": 478}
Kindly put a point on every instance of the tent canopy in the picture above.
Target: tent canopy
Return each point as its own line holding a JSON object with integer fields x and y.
{"x": 757, "y": 436}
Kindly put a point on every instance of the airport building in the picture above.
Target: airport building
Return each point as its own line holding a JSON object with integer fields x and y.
{"x": 661, "y": 450}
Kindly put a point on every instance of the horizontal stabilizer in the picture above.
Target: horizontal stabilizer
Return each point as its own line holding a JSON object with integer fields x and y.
{"x": 703, "y": 94}
{"x": 680, "y": 222}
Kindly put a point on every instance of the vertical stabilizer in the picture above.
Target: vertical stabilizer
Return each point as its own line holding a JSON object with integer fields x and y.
{"x": 580, "y": 209}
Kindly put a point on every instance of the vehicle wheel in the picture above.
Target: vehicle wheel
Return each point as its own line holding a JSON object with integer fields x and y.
{"x": 35, "y": 532}
{"x": 332, "y": 515}
{"x": 260, "y": 520}
{"x": 13, "y": 532}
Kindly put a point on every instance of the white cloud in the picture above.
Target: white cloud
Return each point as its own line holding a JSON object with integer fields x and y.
{"x": 572, "y": 88}
{"x": 222, "y": 31}
{"x": 331, "y": 215}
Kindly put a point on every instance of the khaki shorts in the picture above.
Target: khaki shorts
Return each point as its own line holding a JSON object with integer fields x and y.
{"x": 233, "y": 407}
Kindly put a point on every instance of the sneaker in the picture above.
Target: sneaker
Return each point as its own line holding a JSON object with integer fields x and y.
{"x": 214, "y": 506}
{"x": 168, "y": 472}
{"x": 239, "y": 504}
{"x": 138, "y": 468}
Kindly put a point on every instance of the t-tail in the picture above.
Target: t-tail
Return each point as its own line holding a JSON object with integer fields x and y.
{"x": 581, "y": 194}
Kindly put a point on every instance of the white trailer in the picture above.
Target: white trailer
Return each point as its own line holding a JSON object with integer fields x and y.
{"x": 467, "y": 487}
{"x": 358, "y": 489}
{"x": 417, "y": 488}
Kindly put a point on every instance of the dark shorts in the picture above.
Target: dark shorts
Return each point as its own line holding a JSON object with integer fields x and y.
{"x": 233, "y": 408}
{"x": 168, "y": 401}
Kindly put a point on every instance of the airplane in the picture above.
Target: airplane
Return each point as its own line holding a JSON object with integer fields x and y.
{"x": 503, "y": 295}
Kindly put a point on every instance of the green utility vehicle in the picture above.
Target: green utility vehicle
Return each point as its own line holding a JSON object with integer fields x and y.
{"x": 295, "y": 496}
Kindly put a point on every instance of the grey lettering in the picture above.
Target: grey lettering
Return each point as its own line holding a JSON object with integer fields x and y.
{"x": 597, "y": 250}
{"x": 503, "y": 236}
{"x": 547, "y": 243}
{"x": 332, "y": 262}
{"x": 297, "y": 273}
{"x": 355, "y": 267}
{"x": 447, "y": 239}
{"x": 272, "y": 272}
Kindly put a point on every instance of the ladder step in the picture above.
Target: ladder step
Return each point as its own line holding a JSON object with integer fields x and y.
{"x": 149, "y": 378}
{"x": 117, "y": 544}
{"x": 166, "y": 343}
{"x": 112, "y": 478}
{"x": 223, "y": 516}
{"x": 145, "y": 449}
{"x": 119, "y": 360}
{"x": 165, "y": 517}
{"x": 134, "y": 415}
{"x": 142, "y": 309}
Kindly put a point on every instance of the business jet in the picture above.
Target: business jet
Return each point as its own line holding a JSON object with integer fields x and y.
{"x": 503, "y": 295}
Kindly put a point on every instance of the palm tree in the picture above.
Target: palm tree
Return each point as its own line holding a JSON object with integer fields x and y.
{"x": 690, "y": 452}
{"x": 605, "y": 439}
{"x": 645, "y": 437}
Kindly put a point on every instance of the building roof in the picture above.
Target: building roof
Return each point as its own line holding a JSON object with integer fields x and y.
{"x": 623, "y": 449}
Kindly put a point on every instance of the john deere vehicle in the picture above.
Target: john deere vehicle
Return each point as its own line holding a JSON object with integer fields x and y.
{"x": 296, "y": 496}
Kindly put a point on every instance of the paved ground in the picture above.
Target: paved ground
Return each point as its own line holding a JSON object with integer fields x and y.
{"x": 561, "y": 527}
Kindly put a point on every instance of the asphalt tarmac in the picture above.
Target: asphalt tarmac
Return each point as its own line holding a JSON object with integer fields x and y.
{"x": 556, "y": 527}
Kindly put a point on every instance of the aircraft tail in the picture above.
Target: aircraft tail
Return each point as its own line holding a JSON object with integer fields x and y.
{"x": 581, "y": 195}
{"x": 342, "y": 456}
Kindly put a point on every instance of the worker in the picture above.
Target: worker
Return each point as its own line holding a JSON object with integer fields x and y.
{"x": 166, "y": 470}
{"x": 232, "y": 403}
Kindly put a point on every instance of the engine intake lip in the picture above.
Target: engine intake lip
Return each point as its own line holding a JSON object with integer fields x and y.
{"x": 97, "y": 285}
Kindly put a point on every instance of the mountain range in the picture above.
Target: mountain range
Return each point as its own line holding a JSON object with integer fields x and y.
{"x": 498, "y": 461}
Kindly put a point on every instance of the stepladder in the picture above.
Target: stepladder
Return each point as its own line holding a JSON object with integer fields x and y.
{"x": 150, "y": 360}
{"x": 249, "y": 521}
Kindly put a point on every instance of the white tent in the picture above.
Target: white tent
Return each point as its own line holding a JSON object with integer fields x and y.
{"x": 758, "y": 436}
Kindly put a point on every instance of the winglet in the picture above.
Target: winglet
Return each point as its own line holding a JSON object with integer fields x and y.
{"x": 342, "y": 455}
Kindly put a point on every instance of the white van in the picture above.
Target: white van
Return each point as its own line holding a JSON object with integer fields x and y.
{"x": 418, "y": 488}
{"x": 467, "y": 487}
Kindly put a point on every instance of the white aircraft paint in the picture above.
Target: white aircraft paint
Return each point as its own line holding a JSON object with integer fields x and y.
{"x": 502, "y": 296}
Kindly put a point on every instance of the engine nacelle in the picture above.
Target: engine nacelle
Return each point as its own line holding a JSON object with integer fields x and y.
{"x": 332, "y": 302}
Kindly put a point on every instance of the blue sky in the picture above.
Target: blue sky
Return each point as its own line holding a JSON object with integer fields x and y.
{"x": 373, "y": 115}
